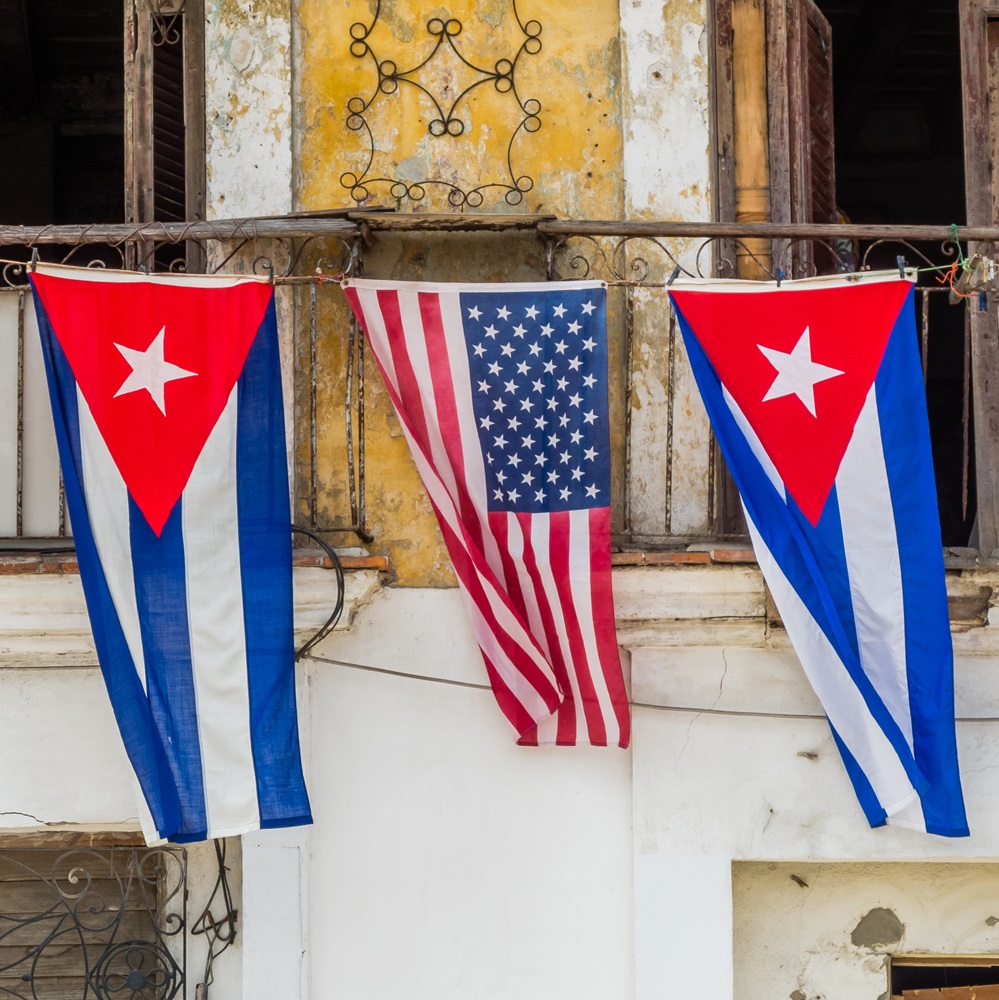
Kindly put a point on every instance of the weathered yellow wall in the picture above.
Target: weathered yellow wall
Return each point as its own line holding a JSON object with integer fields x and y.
{"x": 574, "y": 160}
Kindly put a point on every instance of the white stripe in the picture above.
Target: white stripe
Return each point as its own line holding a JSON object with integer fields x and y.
{"x": 547, "y": 730}
{"x": 834, "y": 687}
{"x": 910, "y": 818}
{"x": 107, "y": 276}
{"x": 734, "y": 285}
{"x": 218, "y": 638}
{"x": 415, "y": 343}
{"x": 374, "y": 324}
{"x": 540, "y": 543}
{"x": 450, "y": 287}
{"x": 755, "y": 444}
{"x": 475, "y": 472}
{"x": 107, "y": 505}
{"x": 580, "y": 576}
{"x": 516, "y": 548}
{"x": 871, "y": 546}
{"x": 482, "y": 629}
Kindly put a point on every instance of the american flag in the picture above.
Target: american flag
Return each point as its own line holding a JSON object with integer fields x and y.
{"x": 502, "y": 392}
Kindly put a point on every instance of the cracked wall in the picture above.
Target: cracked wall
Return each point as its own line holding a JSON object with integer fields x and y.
{"x": 810, "y": 931}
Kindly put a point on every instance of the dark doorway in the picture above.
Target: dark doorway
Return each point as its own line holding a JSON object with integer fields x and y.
{"x": 61, "y": 111}
{"x": 899, "y": 161}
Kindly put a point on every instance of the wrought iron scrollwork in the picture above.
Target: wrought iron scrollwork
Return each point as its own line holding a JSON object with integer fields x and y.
{"x": 109, "y": 923}
{"x": 445, "y": 120}
{"x": 649, "y": 261}
{"x": 167, "y": 21}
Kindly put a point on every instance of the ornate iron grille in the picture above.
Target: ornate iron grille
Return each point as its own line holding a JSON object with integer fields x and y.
{"x": 446, "y": 112}
{"x": 93, "y": 923}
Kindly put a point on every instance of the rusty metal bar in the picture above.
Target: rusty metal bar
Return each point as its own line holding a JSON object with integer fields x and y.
{"x": 313, "y": 422}
{"x": 965, "y": 413}
{"x": 361, "y": 521}
{"x": 765, "y": 230}
{"x": 629, "y": 327}
{"x": 222, "y": 230}
{"x": 670, "y": 389}
{"x": 925, "y": 335}
{"x": 348, "y": 399}
{"x": 19, "y": 509}
{"x": 295, "y": 226}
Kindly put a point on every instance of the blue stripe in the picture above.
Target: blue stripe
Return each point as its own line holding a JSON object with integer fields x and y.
{"x": 875, "y": 814}
{"x": 265, "y": 561}
{"x": 158, "y": 566}
{"x": 928, "y": 648}
{"x": 826, "y": 542}
{"x": 128, "y": 700}
{"x": 790, "y": 539}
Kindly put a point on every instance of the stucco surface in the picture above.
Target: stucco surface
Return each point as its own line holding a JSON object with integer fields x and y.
{"x": 809, "y": 930}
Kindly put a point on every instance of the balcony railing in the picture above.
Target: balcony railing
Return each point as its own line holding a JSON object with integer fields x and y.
{"x": 669, "y": 481}
{"x": 101, "y": 922}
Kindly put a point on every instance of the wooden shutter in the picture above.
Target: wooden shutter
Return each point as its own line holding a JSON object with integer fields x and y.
{"x": 165, "y": 119}
{"x": 71, "y": 919}
{"x": 802, "y": 142}
{"x": 980, "y": 92}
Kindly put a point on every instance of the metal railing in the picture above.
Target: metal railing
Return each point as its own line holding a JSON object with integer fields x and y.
{"x": 83, "y": 922}
{"x": 670, "y": 484}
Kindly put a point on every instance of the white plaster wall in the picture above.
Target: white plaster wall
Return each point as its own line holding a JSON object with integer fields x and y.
{"x": 447, "y": 862}
{"x": 248, "y": 107}
{"x": 64, "y": 768}
{"x": 806, "y": 940}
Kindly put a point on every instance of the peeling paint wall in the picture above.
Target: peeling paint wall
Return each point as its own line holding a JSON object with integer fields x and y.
{"x": 248, "y": 107}
{"x": 806, "y": 931}
{"x": 574, "y": 161}
{"x": 668, "y": 171}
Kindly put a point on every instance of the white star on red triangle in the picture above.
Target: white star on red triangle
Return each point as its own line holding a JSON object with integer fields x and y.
{"x": 797, "y": 373}
{"x": 150, "y": 371}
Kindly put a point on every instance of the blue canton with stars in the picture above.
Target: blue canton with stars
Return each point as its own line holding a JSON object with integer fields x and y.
{"x": 538, "y": 363}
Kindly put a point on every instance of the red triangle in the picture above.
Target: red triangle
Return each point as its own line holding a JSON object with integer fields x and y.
{"x": 849, "y": 326}
{"x": 207, "y": 331}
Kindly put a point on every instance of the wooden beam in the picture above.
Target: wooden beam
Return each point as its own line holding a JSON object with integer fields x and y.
{"x": 752, "y": 167}
{"x": 978, "y": 140}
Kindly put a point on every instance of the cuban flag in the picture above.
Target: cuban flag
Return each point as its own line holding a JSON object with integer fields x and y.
{"x": 815, "y": 393}
{"x": 167, "y": 402}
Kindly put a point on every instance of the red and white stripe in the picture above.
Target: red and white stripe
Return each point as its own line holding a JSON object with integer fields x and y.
{"x": 537, "y": 586}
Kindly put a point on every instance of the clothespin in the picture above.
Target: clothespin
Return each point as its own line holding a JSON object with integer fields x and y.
{"x": 673, "y": 276}
{"x": 900, "y": 260}
{"x": 34, "y": 260}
